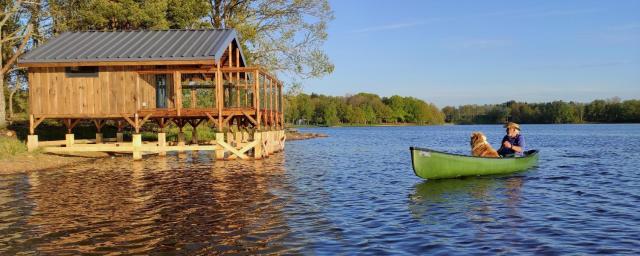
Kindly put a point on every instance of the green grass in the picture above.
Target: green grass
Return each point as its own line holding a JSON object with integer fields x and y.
{"x": 11, "y": 146}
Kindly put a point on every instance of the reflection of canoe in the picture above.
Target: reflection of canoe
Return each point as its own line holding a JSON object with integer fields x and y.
{"x": 453, "y": 189}
{"x": 430, "y": 164}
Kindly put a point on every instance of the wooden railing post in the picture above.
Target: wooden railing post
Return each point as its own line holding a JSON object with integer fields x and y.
{"x": 256, "y": 98}
{"x": 219, "y": 95}
{"x": 177, "y": 88}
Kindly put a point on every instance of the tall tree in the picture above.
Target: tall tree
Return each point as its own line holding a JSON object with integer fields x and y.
{"x": 13, "y": 40}
{"x": 281, "y": 35}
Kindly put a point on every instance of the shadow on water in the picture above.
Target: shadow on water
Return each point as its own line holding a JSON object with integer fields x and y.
{"x": 192, "y": 205}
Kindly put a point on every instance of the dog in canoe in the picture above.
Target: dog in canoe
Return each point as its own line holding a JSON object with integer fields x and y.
{"x": 480, "y": 147}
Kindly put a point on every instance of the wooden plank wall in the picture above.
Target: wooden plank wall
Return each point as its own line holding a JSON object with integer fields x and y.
{"x": 113, "y": 92}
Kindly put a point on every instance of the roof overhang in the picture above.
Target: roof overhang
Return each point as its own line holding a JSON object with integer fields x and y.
{"x": 181, "y": 47}
{"x": 159, "y": 62}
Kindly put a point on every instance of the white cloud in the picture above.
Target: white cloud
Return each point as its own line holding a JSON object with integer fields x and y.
{"x": 395, "y": 26}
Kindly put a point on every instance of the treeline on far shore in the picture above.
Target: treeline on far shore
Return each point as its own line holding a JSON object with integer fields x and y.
{"x": 359, "y": 109}
{"x": 371, "y": 109}
{"x": 557, "y": 112}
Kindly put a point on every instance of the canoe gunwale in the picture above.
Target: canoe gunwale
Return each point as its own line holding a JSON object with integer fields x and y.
{"x": 528, "y": 153}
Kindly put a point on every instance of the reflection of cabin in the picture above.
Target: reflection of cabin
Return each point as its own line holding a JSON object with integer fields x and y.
{"x": 132, "y": 77}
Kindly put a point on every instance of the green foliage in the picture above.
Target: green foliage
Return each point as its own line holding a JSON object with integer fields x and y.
{"x": 362, "y": 108}
{"x": 556, "y": 112}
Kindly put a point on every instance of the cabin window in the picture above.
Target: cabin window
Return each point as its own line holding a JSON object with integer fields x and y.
{"x": 88, "y": 71}
{"x": 161, "y": 91}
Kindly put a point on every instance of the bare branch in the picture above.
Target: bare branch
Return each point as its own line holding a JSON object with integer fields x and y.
{"x": 8, "y": 14}
{"x": 15, "y": 69}
{"x": 23, "y": 44}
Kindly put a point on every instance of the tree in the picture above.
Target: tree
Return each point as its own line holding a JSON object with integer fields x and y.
{"x": 12, "y": 44}
{"x": 596, "y": 111}
{"x": 281, "y": 35}
{"x": 306, "y": 107}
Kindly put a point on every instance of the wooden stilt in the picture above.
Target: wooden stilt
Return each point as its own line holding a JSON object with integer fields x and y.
{"x": 32, "y": 142}
{"x": 181, "y": 138}
{"x": 70, "y": 124}
{"x": 99, "y": 124}
{"x": 219, "y": 152}
{"x": 238, "y": 139}
{"x": 137, "y": 144}
{"x": 69, "y": 139}
{"x": 32, "y": 128}
{"x": 136, "y": 125}
{"x": 119, "y": 133}
{"x": 162, "y": 143}
{"x": 257, "y": 150}
{"x": 194, "y": 135}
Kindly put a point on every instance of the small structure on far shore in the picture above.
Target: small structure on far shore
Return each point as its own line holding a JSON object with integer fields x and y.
{"x": 185, "y": 77}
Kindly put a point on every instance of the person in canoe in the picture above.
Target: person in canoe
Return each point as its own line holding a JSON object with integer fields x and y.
{"x": 512, "y": 143}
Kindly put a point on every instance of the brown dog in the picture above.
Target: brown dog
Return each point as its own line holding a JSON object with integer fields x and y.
{"x": 480, "y": 147}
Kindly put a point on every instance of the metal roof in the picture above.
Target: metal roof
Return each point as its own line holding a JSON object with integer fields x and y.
{"x": 135, "y": 45}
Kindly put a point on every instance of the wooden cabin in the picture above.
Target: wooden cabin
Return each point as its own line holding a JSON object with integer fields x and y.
{"x": 163, "y": 76}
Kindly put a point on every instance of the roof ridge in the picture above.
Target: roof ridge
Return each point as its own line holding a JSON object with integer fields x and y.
{"x": 149, "y": 30}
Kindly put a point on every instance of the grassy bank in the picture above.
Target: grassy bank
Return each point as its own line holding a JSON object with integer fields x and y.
{"x": 11, "y": 146}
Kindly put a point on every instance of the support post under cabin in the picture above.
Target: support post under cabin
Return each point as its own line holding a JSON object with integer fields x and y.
{"x": 219, "y": 151}
{"x": 162, "y": 143}
{"x": 257, "y": 150}
{"x": 137, "y": 144}
{"x": 32, "y": 139}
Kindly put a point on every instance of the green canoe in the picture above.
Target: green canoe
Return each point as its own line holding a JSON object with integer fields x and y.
{"x": 431, "y": 164}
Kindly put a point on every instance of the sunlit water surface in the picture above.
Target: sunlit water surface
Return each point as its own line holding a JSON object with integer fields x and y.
{"x": 353, "y": 192}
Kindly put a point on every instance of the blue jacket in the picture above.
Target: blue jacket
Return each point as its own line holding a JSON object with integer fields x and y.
{"x": 518, "y": 140}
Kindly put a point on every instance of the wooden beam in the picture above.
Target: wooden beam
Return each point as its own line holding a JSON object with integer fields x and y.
{"x": 99, "y": 124}
{"x": 177, "y": 90}
{"x": 226, "y": 120}
{"x": 256, "y": 98}
{"x": 213, "y": 120}
{"x": 136, "y": 119}
{"x": 126, "y": 118}
{"x": 245, "y": 149}
{"x": 232, "y": 150}
{"x": 230, "y": 54}
{"x": 180, "y": 123}
{"x": 219, "y": 96}
{"x": 193, "y": 98}
{"x": 271, "y": 94}
{"x": 70, "y": 124}
{"x": 144, "y": 120}
{"x": 34, "y": 122}
{"x": 162, "y": 122}
{"x": 253, "y": 121}
{"x": 32, "y": 127}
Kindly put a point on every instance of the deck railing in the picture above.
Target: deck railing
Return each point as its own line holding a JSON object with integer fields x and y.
{"x": 241, "y": 88}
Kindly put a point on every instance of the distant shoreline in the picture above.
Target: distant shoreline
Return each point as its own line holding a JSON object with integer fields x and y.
{"x": 445, "y": 124}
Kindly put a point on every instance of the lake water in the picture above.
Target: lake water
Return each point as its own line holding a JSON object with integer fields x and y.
{"x": 353, "y": 192}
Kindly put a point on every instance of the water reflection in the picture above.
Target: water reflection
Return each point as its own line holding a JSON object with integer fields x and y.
{"x": 475, "y": 197}
{"x": 188, "y": 204}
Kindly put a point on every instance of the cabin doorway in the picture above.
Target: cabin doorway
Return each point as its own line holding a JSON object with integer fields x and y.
{"x": 161, "y": 91}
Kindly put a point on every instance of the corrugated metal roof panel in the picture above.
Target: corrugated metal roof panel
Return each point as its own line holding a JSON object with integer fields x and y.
{"x": 137, "y": 45}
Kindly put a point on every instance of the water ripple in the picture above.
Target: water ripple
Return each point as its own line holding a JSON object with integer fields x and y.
{"x": 351, "y": 193}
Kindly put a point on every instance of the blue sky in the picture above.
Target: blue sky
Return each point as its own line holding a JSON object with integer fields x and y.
{"x": 482, "y": 52}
